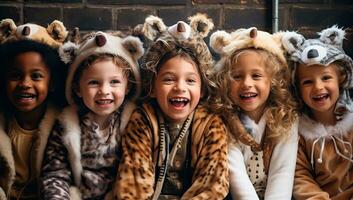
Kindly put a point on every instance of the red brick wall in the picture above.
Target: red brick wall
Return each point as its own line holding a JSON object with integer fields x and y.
{"x": 306, "y": 16}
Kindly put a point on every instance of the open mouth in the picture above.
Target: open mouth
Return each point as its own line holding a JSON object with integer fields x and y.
{"x": 179, "y": 102}
{"x": 104, "y": 102}
{"x": 25, "y": 96}
{"x": 247, "y": 96}
{"x": 320, "y": 97}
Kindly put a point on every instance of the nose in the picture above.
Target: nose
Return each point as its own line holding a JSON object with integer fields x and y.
{"x": 25, "y": 83}
{"x": 247, "y": 81}
{"x": 104, "y": 89}
{"x": 318, "y": 85}
{"x": 180, "y": 86}
{"x": 313, "y": 53}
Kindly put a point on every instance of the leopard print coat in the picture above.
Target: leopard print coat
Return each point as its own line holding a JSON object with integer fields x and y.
{"x": 136, "y": 176}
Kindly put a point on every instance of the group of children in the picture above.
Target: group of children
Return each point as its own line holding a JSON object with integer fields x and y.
{"x": 174, "y": 124}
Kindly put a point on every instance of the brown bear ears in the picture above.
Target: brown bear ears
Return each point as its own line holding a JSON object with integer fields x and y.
{"x": 199, "y": 23}
{"x": 56, "y": 30}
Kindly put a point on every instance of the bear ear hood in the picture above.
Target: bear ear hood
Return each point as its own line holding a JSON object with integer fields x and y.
{"x": 129, "y": 48}
{"x": 333, "y": 36}
{"x": 54, "y": 35}
{"x": 153, "y": 27}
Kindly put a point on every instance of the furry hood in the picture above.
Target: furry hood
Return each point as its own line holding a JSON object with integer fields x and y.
{"x": 129, "y": 48}
{"x": 180, "y": 35}
{"x": 226, "y": 43}
{"x": 54, "y": 35}
{"x": 321, "y": 51}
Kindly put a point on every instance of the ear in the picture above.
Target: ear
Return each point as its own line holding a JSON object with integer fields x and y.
{"x": 57, "y": 31}
{"x": 7, "y": 28}
{"x": 134, "y": 46}
{"x": 201, "y": 24}
{"x": 292, "y": 41}
{"x": 333, "y": 36}
{"x": 153, "y": 27}
{"x": 74, "y": 36}
{"x": 67, "y": 52}
{"x": 219, "y": 40}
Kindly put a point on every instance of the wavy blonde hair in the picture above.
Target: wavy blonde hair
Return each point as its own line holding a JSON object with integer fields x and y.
{"x": 280, "y": 103}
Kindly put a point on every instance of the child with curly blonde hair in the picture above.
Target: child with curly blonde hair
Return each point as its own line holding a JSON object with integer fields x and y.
{"x": 255, "y": 102}
{"x": 322, "y": 77}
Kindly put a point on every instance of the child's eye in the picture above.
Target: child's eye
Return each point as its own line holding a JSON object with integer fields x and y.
{"x": 115, "y": 81}
{"x": 191, "y": 81}
{"x": 93, "y": 82}
{"x": 168, "y": 80}
{"x": 37, "y": 76}
{"x": 306, "y": 82}
{"x": 327, "y": 77}
{"x": 256, "y": 76}
{"x": 236, "y": 77}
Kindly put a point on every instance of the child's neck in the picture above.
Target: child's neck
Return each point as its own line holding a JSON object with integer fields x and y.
{"x": 102, "y": 121}
{"x": 30, "y": 120}
{"x": 325, "y": 118}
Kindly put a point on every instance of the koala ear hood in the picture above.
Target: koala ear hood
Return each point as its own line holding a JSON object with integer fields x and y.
{"x": 7, "y": 28}
{"x": 134, "y": 46}
{"x": 219, "y": 40}
{"x": 333, "y": 36}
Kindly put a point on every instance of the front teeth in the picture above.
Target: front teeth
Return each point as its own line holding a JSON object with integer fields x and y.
{"x": 320, "y": 96}
{"x": 179, "y": 99}
{"x": 104, "y": 101}
{"x": 248, "y": 95}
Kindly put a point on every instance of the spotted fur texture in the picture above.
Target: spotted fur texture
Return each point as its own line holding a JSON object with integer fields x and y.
{"x": 136, "y": 176}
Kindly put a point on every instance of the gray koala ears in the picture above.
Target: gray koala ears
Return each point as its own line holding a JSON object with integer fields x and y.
{"x": 333, "y": 36}
{"x": 199, "y": 23}
{"x": 292, "y": 41}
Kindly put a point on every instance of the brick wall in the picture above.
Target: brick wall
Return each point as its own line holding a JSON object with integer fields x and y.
{"x": 306, "y": 16}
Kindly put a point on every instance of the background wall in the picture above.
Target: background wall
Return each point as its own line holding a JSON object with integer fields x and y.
{"x": 305, "y": 16}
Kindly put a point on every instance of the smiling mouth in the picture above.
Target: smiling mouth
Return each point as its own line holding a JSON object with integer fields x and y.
{"x": 25, "y": 97}
{"x": 179, "y": 102}
{"x": 104, "y": 102}
{"x": 247, "y": 96}
{"x": 320, "y": 97}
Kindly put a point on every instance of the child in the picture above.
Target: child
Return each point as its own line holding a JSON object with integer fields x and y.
{"x": 82, "y": 153}
{"x": 260, "y": 112}
{"x": 322, "y": 75}
{"x": 31, "y": 91}
{"x": 173, "y": 148}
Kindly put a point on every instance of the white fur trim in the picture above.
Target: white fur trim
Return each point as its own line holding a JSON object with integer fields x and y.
{"x": 153, "y": 26}
{"x": 72, "y": 140}
{"x": 45, "y": 128}
{"x": 311, "y": 129}
{"x": 2, "y": 194}
{"x": 75, "y": 193}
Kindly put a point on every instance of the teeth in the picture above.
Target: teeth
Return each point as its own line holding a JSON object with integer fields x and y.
{"x": 104, "y": 101}
{"x": 247, "y": 95}
{"x": 25, "y": 96}
{"x": 179, "y": 99}
{"x": 320, "y": 96}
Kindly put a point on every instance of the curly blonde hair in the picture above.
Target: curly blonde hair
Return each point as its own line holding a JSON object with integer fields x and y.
{"x": 280, "y": 103}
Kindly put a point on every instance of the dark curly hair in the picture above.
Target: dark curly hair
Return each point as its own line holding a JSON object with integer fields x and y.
{"x": 50, "y": 56}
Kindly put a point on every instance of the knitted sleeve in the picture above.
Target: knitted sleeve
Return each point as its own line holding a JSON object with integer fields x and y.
{"x": 305, "y": 186}
{"x": 135, "y": 179}
{"x": 56, "y": 174}
{"x": 210, "y": 178}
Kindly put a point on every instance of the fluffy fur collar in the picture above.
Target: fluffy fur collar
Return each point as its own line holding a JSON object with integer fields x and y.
{"x": 311, "y": 129}
{"x": 255, "y": 129}
{"x": 45, "y": 127}
{"x": 72, "y": 135}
